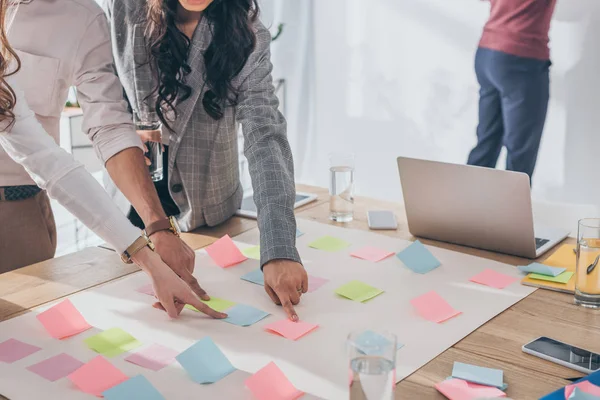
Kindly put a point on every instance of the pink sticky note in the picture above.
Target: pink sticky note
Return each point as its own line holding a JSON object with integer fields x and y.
{"x": 56, "y": 367}
{"x": 372, "y": 254}
{"x": 97, "y": 376}
{"x": 457, "y": 389}
{"x": 489, "y": 277}
{"x": 154, "y": 357}
{"x": 63, "y": 320}
{"x": 13, "y": 350}
{"x": 146, "y": 289}
{"x": 225, "y": 253}
{"x": 271, "y": 384}
{"x": 314, "y": 282}
{"x": 433, "y": 307}
{"x": 291, "y": 330}
{"x": 584, "y": 386}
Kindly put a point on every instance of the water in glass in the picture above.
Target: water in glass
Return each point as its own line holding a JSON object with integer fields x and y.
{"x": 587, "y": 277}
{"x": 373, "y": 378}
{"x": 341, "y": 190}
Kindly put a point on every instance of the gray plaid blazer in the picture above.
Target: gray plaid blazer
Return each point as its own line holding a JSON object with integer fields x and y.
{"x": 203, "y": 153}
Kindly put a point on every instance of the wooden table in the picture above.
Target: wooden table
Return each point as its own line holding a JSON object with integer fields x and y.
{"x": 496, "y": 344}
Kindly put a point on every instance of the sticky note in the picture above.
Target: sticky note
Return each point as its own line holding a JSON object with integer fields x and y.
{"x": 244, "y": 315}
{"x": 433, "y": 307}
{"x": 291, "y": 330}
{"x": 372, "y": 254}
{"x": 270, "y": 383}
{"x": 13, "y": 350}
{"x": 217, "y": 304}
{"x": 329, "y": 243}
{"x": 494, "y": 279}
{"x": 225, "y": 253}
{"x": 299, "y": 233}
{"x": 205, "y": 362}
{"x": 154, "y": 357}
{"x": 137, "y": 387}
{"x": 479, "y": 375}
{"x": 562, "y": 278}
{"x": 97, "y": 376}
{"x": 563, "y": 256}
{"x": 314, "y": 283}
{"x": 418, "y": 258}
{"x": 255, "y": 276}
{"x": 146, "y": 289}
{"x": 578, "y": 394}
{"x": 372, "y": 343}
{"x": 541, "y": 269}
{"x": 252, "y": 252}
{"x": 63, "y": 320}
{"x": 57, "y": 367}
{"x": 458, "y": 389}
{"x": 112, "y": 342}
{"x": 358, "y": 291}
{"x": 584, "y": 386}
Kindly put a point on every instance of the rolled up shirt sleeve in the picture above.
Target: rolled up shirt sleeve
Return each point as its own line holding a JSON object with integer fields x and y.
{"x": 106, "y": 116}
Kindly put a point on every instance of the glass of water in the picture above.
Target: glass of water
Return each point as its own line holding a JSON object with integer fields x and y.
{"x": 149, "y": 124}
{"x": 587, "y": 276}
{"x": 341, "y": 187}
{"x": 372, "y": 357}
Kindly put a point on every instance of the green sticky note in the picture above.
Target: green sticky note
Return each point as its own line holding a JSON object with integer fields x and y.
{"x": 112, "y": 342}
{"x": 252, "y": 252}
{"x": 358, "y": 291}
{"x": 215, "y": 303}
{"x": 329, "y": 243}
{"x": 562, "y": 278}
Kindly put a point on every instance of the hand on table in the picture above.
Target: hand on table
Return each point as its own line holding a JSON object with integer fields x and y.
{"x": 285, "y": 282}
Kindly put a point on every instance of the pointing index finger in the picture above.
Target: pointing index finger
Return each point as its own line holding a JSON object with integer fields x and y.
{"x": 287, "y": 305}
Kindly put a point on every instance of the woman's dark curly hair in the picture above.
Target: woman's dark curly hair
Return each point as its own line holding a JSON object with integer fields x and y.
{"x": 233, "y": 40}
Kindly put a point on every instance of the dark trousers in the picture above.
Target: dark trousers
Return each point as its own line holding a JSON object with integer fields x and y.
{"x": 512, "y": 109}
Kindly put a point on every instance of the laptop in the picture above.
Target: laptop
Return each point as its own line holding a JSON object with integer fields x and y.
{"x": 479, "y": 207}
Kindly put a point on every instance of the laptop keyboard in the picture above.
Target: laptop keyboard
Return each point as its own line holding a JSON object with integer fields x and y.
{"x": 540, "y": 242}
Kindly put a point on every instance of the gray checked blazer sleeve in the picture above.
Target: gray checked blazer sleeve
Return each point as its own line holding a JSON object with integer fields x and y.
{"x": 269, "y": 154}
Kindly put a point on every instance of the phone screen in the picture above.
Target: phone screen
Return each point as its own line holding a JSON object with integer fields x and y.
{"x": 564, "y": 352}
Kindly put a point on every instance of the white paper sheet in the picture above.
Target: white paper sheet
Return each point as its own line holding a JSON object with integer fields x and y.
{"x": 316, "y": 363}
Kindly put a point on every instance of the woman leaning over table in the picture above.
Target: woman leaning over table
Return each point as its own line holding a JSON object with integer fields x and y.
{"x": 66, "y": 180}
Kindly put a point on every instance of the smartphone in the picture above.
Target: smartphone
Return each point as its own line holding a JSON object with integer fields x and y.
{"x": 382, "y": 220}
{"x": 564, "y": 354}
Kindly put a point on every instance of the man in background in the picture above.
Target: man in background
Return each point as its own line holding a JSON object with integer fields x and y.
{"x": 512, "y": 66}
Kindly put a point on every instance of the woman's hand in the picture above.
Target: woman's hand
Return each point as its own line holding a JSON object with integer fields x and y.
{"x": 172, "y": 292}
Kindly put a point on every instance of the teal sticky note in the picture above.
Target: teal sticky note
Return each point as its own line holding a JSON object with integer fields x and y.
{"x": 372, "y": 343}
{"x": 136, "y": 388}
{"x": 244, "y": 315}
{"x": 418, "y": 258}
{"x": 579, "y": 394}
{"x": 205, "y": 362}
{"x": 541, "y": 269}
{"x": 255, "y": 276}
{"x": 299, "y": 233}
{"x": 480, "y": 375}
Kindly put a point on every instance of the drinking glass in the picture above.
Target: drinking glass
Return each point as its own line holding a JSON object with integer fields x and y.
{"x": 150, "y": 123}
{"x": 372, "y": 358}
{"x": 587, "y": 275}
{"x": 341, "y": 187}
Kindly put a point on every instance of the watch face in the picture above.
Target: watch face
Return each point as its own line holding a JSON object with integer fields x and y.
{"x": 175, "y": 225}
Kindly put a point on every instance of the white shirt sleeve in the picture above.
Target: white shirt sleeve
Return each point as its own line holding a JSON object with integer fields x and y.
{"x": 65, "y": 180}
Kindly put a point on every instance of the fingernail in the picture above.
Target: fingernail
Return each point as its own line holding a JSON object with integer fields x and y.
{"x": 295, "y": 318}
{"x": 205, "y": 297}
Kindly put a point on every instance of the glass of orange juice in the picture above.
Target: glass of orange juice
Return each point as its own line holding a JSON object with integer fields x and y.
{"x": 587, "y": 282}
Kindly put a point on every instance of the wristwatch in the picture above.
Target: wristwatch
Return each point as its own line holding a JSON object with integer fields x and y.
{"x": 136, "y": 246}
{"x": 166, "y": 224}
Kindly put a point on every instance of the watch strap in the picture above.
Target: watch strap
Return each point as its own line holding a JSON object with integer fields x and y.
{"x": 160, "y": 225}
{"x": 136, "y": 246}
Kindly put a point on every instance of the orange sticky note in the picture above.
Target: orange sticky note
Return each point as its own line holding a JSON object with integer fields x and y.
{"x": 97, "y": 376}
{"x": 433, "y": 307}
{"x": 225, "y": 253}
{"x": 489, "y": 277}
{"x": 63, "y": 320}
{"x": 457, "y": 389}
{"x": 371, "y": 254}
{"x": 584, "y": 386}
{"x": 271, "y": 384}
{"x": 291, "y": 330}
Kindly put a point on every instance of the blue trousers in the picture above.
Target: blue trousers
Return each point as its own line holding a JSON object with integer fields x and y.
{"x": 512, "y": 109}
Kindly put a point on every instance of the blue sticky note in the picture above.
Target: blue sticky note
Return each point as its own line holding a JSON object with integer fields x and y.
{"x": 244, "y": 315}
{"x": 579, "y": 394}
{"x": 205, "y": 362}
{"x": 480, "y": 375}
{"x": 136, "y": 388}
{"x": 299, "y": 233}
{"x": 255, "y": 276}
{"x": 541, "y": 269}
{"x": 372, "y": 343}
{"x": 418, "y": 258}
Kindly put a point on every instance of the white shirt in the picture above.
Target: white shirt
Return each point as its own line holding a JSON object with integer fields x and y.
{"x": 66, "y": 180}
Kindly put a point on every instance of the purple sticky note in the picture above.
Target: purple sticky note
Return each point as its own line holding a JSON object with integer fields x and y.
{"x": 154, "y": 357}
{"x": 56, "y": 367}
{"x": 13, "y": 350}
{"x": 146, "y": 289}
{"x": 314, "y": 282}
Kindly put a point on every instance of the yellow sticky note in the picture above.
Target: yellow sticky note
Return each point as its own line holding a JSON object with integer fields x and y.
{"x": 112, "y": 342}
{"x": 252, "y": 252}
{"x": 329, "y": 243}
{"x": 215, "y": 303}
{"x": 358, "y": 291}
{"x": 563, "y": 257}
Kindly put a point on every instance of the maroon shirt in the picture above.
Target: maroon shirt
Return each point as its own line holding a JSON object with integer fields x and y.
{"x": 519, "y": 27}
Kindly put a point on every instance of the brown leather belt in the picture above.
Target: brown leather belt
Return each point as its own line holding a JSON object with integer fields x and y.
{"x": 16, "y": 193}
